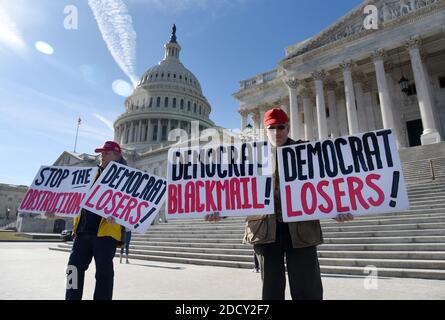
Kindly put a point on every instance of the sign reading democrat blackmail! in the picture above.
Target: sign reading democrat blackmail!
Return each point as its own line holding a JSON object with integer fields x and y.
{"x": 234, "y": 180}
{"x": 59, "y": 190}
{"x": 131, "y": 196}
{"x": 359, "y": 174}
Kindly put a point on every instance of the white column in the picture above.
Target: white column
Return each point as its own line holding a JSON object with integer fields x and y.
{"x": 116, "y": 134}
{"x": 359, "y": 98}
{"x": 150, "y": 131}
{"x": 146, "y": 129}
{"x": 319, "y": 76}
{"x": 399, "y": 126}
{"x": 122, "y": 130}
{"x": 255, "y": 119}
{"x": 430, "y": 133}
{"x": 308, "y": 114}
{"x": 126, "y": 133}
{"x": 169, "y": 127}
{"x": 351, "y": 110}
{"x": 368, "y": 105}
{"x": 334, "y": 129}
{"x": 139, "y": 139}
{"x": 243, "y": 120}
{"x": 159, "y": 131}
{"x": 384, "y": 96}
{"x": 294, "y": 114}
{"x": 131, "y": 138}
{"x": 262, "y": 111}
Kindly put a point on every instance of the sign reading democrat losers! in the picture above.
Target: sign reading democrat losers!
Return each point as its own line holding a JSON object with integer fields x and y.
{"x": 131, "y": 196}
{"x": 359, "y": 174}
{"x": 234, "y": 180}
{"x": 59, "y": 190}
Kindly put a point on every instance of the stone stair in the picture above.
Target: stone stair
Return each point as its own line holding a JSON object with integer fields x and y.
{"x": 407, "y": 244}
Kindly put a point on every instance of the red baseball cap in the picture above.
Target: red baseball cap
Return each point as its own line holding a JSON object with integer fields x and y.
{"x": 109, "y": 146}
{"x": 275, "y": 116}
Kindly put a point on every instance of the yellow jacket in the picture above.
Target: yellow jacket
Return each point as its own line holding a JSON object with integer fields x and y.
{"x": 105, "y": 229}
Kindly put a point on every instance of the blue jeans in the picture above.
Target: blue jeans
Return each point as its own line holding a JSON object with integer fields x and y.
{"x": 86, "y": 247}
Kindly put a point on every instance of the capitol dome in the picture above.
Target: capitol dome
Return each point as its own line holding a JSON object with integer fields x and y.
{"x": 168, "y": 96}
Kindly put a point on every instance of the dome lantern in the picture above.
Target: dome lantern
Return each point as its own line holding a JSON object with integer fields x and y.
{"x": 172, "y": 48}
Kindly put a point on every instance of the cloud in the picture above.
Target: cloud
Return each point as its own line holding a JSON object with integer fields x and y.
{"x": 116, "y": 27}
{"x": 9, "y": 33}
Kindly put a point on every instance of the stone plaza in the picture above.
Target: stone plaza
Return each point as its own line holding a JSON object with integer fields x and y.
{"x": 31, "y": 271}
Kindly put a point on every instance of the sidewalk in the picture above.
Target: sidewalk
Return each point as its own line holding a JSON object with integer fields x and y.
{"x": 31, "y": 271}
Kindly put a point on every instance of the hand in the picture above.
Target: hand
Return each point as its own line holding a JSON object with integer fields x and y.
{"x": 213, "y": 217}
{"x": 111, "y": 220}
{"x": 50, "y": 215}
{"x": 343, "y": 217}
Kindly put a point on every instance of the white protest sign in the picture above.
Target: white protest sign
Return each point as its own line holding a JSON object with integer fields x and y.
{"x": 59, "y": 190}
{"x": 359, "y": 174}
{"x": 132, "y": 197}
{"x": 234, "y": 180}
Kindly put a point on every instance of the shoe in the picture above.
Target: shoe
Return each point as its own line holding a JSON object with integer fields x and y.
{"x": 128, "y": 262}
{"x": 256, "y": 270}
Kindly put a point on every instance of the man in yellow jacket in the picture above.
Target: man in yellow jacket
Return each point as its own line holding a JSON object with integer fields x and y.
{"x": 95, "y": 237}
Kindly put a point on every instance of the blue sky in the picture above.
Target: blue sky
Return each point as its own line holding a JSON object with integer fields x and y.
{"x": 42, "y": 95}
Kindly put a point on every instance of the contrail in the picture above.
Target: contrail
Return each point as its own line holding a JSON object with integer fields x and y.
{"x": 107, "y": 122}
{"x": 116, "y": 27}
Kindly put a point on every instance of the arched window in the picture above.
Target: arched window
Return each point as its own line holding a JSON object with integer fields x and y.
{"x": 151, "y": 102}
{"x": 188, "y": 105}
{"x": 182, "y": 103}
{"x": 174, "y": 102}
{"x": 158, "y": 102}
{"x": 194, "y": 108}
{"x": 166, "y": 102}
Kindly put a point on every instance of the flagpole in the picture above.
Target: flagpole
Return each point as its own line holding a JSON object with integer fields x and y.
{"x": 77, "y": 133}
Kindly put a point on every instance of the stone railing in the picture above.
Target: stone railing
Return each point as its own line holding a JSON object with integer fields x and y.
{"x": 259, "y": 79}
{"x": 430, "y": 169}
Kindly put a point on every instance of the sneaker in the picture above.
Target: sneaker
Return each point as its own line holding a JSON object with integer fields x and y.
{"x": 128, "y": 262}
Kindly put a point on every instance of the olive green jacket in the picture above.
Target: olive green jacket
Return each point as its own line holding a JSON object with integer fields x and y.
{"x": 261, "y": 229}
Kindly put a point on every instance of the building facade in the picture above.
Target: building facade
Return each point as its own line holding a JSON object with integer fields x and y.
{"x": 10, "y": 198}
{"x": 349, "y": 78}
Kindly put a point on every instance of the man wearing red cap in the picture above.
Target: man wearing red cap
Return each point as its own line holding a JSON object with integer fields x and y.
{"x": 273, "y": 239}
{"x": 96, "y": 237}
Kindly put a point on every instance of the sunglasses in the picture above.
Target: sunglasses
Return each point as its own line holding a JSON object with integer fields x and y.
{"x": 280, "y": 127}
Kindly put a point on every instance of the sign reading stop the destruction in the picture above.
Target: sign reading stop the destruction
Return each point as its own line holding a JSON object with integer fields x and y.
{"x": 58, "y": 190}
{"x": 132, "y": 197}
{"x": 359, "y": 174}
{"x": 234, "y": 180}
